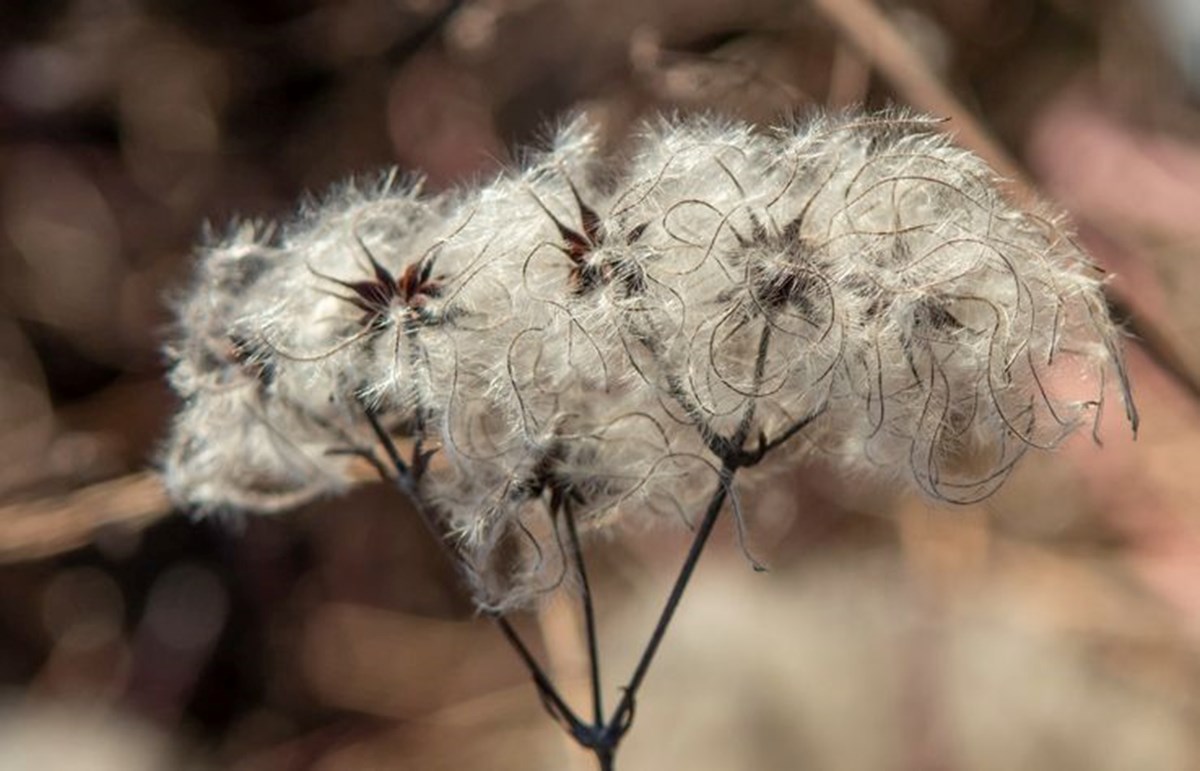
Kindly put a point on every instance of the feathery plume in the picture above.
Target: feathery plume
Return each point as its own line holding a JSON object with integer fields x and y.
{"x": 582, "y": 338}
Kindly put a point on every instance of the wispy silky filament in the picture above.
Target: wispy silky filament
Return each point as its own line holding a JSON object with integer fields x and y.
{"x": 586, "y": 330}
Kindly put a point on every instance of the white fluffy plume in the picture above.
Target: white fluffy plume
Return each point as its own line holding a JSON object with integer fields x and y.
{"x": 586, "y": 331}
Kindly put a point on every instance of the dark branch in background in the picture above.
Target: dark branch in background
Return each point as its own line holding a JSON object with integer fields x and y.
{"x": 879, "y": 43}
{"x": 403, "y": 50}
{"x": 1152, "y": 340}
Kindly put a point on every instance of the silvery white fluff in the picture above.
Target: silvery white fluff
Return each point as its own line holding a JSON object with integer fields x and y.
{"x": 581, "y": 331}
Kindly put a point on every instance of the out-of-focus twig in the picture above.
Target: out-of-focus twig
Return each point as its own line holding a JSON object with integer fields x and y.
{"x": 849, "y": 77}
{"x": 880, "y": 43}
{"x": 46, "y": 526}
{"x": 42, "y": 527}
{"x": 875, "y": 36}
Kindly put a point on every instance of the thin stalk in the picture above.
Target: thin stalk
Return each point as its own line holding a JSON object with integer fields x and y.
{"x": 622, "y": 715}
{"x": 589, "y": 613}
{"x": 551, "y": 699}
{"x": 406, "y": 479}
{"x": 604, "y": 737}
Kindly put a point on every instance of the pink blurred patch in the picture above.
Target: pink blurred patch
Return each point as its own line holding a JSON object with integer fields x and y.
{"x": 1130, "y": 189}
{"x": 1112, "y": 172}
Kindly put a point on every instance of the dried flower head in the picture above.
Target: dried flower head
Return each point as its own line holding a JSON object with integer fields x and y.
{"x": 585, "y": 338}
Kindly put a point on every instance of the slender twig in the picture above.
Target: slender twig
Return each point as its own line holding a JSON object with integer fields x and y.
{"x": 589, "y": 612}
{"x": 603, "y": 737}
{"x": 403, "y": 473}
{"x": 621, "y": 718}
{"x": 748, "y": 458}
{"x": 551, "y": 699}
{"x": 733, "y": 456}
{"x": 407, "y": 481}
{"x": 406, "y": 478}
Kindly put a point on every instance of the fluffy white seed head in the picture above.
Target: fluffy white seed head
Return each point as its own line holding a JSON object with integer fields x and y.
{"x": 582, "y": 332}
{"x": 236, "y": 444}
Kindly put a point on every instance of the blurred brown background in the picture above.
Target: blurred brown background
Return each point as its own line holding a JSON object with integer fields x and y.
{"x": 1056, "y": 627}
